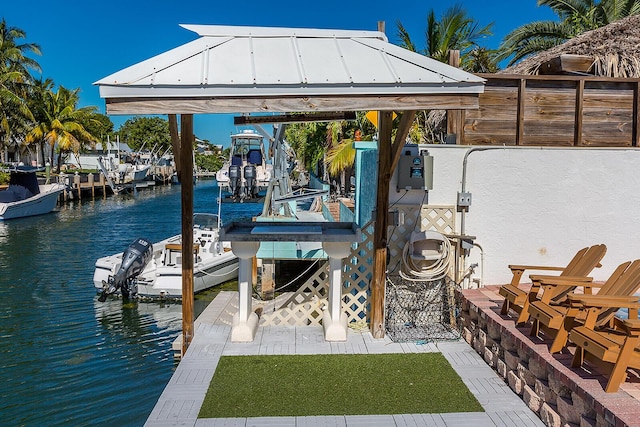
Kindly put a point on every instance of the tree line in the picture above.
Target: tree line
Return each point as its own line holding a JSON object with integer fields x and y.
{"x": 35, "y": 115}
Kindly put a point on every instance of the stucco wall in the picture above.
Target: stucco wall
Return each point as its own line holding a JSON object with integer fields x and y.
{"x": 540, "y": 205}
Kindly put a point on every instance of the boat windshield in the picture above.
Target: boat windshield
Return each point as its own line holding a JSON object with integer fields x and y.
{"x": 205, "y": 221}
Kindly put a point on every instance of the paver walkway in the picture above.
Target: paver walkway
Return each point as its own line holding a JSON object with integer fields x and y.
{"x": 180, "y": 402}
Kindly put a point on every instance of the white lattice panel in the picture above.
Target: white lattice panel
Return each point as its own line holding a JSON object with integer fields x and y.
{"x": 303, "y": 307}
{"x": 356, "y": 276}
{"x": 435, "y": 218}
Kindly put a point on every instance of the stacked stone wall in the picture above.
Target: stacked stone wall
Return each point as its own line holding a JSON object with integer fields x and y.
{"x": 544, "y": 382}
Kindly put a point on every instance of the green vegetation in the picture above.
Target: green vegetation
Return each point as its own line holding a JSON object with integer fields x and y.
{"x": 344, "y": 384}
{"x": 32, "y": 113}
{"x": 146, "y": 131}
{"x": 454, "y": 31}
{"x": 575, "y": 17}
{"x": 208, "y": 162}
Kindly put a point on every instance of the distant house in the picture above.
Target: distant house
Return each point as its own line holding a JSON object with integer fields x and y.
{"x": 89, "y": 159}
{"x": 207, "y": 148}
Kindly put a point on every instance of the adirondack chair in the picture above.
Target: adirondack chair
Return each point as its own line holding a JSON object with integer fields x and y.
{"x": 556, "y": 320}
{"x": 518, "y": 299}
{"x": 612, "y": 351}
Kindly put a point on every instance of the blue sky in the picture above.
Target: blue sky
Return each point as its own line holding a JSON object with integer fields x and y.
{"x": 83, "y": 41}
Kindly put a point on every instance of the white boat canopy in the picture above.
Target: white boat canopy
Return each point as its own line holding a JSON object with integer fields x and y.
{"x": 264, "y": 69}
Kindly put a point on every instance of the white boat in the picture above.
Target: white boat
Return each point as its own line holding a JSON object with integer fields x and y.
{"x": 245, "y": 176}
{"x": 25, "y": 197}
{"x": 154, "y": 270}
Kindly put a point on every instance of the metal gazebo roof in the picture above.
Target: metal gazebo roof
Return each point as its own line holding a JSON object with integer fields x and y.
{"x": 356, "y": 70}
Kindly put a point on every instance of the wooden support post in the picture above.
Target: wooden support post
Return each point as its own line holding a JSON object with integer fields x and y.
{"x": 175, "y": 141}
{"x": 522, "y": 85}
{"x": 380, "y": 230}
{"x": 401, "y": 135}
{"x": 577, "y": 126}
{"x": 76, "y": 184}
{"x": 267, "y": 284}
{"x": 453, "y": 116}
{"x": 103, "y": 183}
{"x": 91, "y": 178}
{"x": 186, "y": 180}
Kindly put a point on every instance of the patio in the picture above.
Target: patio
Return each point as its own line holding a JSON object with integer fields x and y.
{"x": 181, "y": 400}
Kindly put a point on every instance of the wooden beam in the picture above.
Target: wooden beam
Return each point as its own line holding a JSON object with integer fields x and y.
{"x": 296, "y": 118}
{"x": 401, "y": 136}
{"x": 522, "y": 85}
{"x": 566, "y": 63}
{"x": 175, "y": 141}
{"x": 379, "y": 278}
{"x": 236, "y": 105}
{"x": 186, "y": 193}
{"x": 577, "y": 126}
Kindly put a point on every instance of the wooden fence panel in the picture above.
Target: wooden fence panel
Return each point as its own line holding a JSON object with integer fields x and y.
{"x": 554, "y": 111}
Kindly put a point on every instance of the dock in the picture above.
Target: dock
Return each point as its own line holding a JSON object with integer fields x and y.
{"x": 182, "y": 398}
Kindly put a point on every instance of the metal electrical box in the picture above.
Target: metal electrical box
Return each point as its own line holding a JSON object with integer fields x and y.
{"x": 415, "y": 172}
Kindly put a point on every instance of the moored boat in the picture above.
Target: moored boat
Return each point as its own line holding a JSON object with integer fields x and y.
{"x": 245, "y": 176}
{"x": 25, "y": 197}
{"x": 154, "y": 270}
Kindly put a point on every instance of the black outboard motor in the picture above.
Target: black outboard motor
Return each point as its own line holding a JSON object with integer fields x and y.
{"x": 134, "y": 259}
{"x": 234, "y": 180}
{"x": 250, "y": 181}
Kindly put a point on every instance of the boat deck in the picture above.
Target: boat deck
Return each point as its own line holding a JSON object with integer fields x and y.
{"x": 180, "y": 402}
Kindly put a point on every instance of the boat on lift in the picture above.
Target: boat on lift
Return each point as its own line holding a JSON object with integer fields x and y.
{"x": 25, "y": 196}
{"x": 246, "y": 174}
{"x": 154, "y": 270}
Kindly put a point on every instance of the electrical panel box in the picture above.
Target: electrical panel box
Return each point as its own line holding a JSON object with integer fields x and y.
{"x": 415, "y": 172}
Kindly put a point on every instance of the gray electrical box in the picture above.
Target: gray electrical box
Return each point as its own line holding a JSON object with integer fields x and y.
{"x": 415, "y": 172}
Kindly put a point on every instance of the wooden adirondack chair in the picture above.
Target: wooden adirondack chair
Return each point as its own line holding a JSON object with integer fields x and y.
{"x": 612, "y": 351}
{"x": 518, "y": 300}
{"x": 556, "y": 320}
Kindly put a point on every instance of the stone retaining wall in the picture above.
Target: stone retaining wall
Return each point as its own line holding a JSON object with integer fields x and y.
{"x": 556, "y": 393}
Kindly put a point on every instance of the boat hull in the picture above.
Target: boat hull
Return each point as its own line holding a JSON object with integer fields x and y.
{"x": 40, "y": 204}
{"x": 214, "y": 263}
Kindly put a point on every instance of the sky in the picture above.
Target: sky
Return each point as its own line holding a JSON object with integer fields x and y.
{"x": 84, "y": 41}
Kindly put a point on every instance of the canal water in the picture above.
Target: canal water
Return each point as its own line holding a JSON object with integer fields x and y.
{"x": 65, "y": 358}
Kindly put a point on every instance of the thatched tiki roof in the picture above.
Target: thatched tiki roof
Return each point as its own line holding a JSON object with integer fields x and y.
{"x": 615, "y": 50}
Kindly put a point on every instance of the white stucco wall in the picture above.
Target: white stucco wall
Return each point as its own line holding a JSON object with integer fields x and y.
{"x": 540, "y": 205}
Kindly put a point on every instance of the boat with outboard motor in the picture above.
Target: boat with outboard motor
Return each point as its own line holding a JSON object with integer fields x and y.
{"x": 25, "y": 196}
{"x": 154, "y": 270}
{"x": 246, "y": 174}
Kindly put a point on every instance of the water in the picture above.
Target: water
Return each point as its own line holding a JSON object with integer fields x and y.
{"x": 67, "y": 359}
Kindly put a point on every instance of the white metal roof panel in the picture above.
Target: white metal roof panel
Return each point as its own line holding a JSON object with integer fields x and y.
{"x": 255, "y": 61}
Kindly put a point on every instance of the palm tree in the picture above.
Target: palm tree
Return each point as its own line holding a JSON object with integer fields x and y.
{"x": 575, "y": 18}
{"x": 60, "y": 123}
{"x": 454, "y": 31}
{"x": 14, "y": 81}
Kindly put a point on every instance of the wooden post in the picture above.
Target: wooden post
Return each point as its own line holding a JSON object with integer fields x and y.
{"x": 76, "y": 182}
{"x": 401, "y": 135}
{"x": 454, "y": 116}
{"x": 577, "y": 125}
{"x": 380, "y": 230}
{"x": 90, "y": 178}
{"x": 103, "y": 183}
{"x": 522, "y": 85}
{"x": 175, "y": 141}
{"x": 186, "y": 180}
